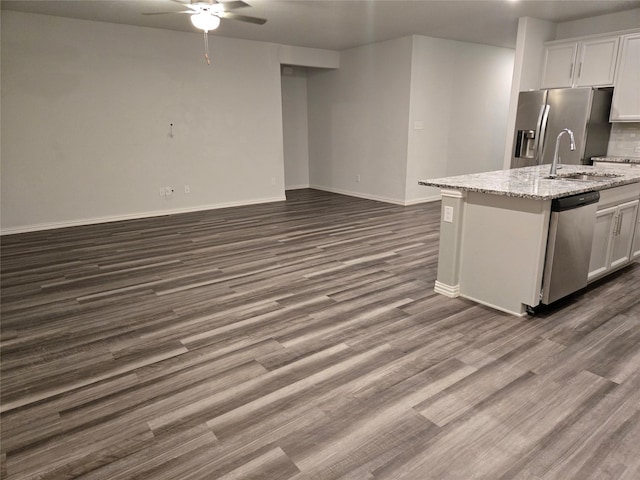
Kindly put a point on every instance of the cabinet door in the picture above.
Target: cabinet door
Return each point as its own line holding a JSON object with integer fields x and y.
{"x": 624, "y": 226}
{"x": 596, "y": 62}
{"x": 635, "y": 251}
{"x": 625, "y": 106}
{"x": 559, "y": 62}
{"x": 601, "y": 247}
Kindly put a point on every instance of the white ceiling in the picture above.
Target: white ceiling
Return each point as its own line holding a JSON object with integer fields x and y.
{"x": 341, "y": 24}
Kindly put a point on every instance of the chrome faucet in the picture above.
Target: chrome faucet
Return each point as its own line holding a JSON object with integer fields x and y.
{"x": 556, "y": 157}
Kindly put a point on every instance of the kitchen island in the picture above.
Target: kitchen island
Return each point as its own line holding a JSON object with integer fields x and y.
{"x": 495, "y": 228}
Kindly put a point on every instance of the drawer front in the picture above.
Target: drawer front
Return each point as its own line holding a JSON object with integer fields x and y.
{"x": 618, "y": 195}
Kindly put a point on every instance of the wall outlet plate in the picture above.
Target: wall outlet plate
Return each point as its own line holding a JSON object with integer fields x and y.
{"x": 448, "y": 214}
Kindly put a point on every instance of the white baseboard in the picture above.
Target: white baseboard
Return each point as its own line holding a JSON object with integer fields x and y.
{"x": 366, "y": 196}
{"x": 133, "y": 216}
{"x": 417, "y": 201}
{"x": 404, "y": 203}
{"x": 451, "y": 291}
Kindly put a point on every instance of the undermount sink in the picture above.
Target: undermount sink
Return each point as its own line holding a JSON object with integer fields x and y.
{"x": 584, "y": 177}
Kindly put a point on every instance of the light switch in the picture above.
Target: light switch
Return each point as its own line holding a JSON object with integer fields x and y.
{"x": 448, "y": 214}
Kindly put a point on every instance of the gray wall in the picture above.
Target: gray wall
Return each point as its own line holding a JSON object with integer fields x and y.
{"x": 358, "y": 120}
{"x": 86, "y": 108}
{"x": 405, "y": 110}
{"x": 460, "y": 94}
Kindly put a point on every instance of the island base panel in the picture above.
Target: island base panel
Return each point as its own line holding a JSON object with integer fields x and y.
{"x": 452, "y": 216}
{"x": 502, "y": 251}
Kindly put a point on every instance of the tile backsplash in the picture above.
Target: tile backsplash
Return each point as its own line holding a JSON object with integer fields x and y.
{"x": 624, "y": 140}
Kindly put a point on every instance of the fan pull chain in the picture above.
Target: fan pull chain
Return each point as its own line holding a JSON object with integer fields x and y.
{"x": 206, "y": 47}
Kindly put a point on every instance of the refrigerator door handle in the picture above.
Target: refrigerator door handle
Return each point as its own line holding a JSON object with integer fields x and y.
{"x": 541, "y": 127}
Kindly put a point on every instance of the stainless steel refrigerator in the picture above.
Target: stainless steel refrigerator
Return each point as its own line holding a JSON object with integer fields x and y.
{"x": 542, "y": 114}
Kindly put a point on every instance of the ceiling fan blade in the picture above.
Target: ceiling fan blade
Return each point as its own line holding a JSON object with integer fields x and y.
{"x": 233, "y": 5}
{"x": 196, "y": 5}
{"x": 242, "y": 18}
{"x": 163, "y": 13}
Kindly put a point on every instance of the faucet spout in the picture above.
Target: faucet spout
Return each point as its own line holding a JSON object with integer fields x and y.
{"x": 556, "y": 157}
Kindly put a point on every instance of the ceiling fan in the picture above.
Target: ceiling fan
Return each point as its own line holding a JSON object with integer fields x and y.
{"x": 206, "y": 15}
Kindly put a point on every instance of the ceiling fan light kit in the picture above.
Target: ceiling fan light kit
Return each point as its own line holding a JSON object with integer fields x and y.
{"x": 205, "y": 21}
{"x": 206, "y": 15}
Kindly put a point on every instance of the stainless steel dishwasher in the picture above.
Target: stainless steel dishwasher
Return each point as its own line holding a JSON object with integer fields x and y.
{"x": 571, "y": 230}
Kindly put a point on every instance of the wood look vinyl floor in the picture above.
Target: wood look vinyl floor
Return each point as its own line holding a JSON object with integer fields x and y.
{"x": 301, "y": 340}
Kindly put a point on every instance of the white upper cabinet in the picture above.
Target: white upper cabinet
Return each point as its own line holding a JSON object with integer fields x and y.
{"x": 597, "y": 62}
{"x": 559, "y": 62}
{"x": 625, "y": 106}
{"x": 585, "y": 63}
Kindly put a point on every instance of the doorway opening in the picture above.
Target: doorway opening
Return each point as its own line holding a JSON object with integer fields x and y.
{"x": 295, "y": 130}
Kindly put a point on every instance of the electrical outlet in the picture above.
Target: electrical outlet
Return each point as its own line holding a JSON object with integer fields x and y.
{"x": 187, "y": 189}
{"x": 637, "y": 149}
{"x": 273, "y": 180}
{"x": 358, "y": 178}
{"x": 448, "y": 214}
{"x": 162, "y": 191}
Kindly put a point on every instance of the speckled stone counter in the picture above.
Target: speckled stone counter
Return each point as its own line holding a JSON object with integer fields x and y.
{"x": 616, "y": 159}
{"x": 533, "y": 182}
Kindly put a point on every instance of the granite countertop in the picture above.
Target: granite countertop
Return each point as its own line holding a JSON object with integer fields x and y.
{"x": 530, "y": 182}
{"x": 616, "y": 159}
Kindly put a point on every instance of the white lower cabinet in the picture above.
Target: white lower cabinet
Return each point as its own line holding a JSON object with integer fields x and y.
{"x": 635, "y": 250}
{"x": 599, "y": 263}
{"x": 623, "y": 235}
{"x": 613, "y": 240}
